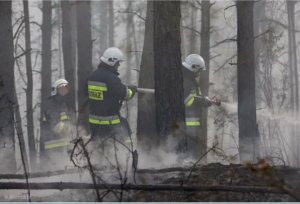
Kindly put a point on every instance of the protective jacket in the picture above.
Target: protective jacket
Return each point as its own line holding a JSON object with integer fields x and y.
{"x": 55, "y": 117}
{"x": 193, "y": 99}
{"x": 105, "y": 93}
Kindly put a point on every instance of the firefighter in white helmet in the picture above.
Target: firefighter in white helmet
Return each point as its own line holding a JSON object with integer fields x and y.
{"x": 106, "y": 93}
{"x": 56, "y": 127}
{"x": 194, "y": 103}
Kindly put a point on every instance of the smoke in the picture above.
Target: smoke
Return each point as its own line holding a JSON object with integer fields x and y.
{"x": 231, "y": 108}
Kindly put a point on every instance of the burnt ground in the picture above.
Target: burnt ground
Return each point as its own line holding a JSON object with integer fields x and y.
{"x": 283, "y": 179}
{"x": 254, "y": 180}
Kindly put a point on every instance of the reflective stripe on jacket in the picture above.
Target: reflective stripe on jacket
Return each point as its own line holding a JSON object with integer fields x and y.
{"x": 104, "y": 120}
{"x": 52, "y": 144}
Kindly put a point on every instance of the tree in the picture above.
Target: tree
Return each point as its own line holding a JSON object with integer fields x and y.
{"x": 294, "y": 83}
{"x": 146, "y": 126}
{"x": 167, "y": 68}
{"x": 29, "y": 110}
{"x": 246, "y": 81}
{"x": 7, "y": 83}
{"x": 111, "y": 24}
{"x": 204, "y": 77}
{"x": 46, "y": 71}
{"x": 293, "y": 74}
{"x": 103, "y": 22}
{"x": 67, "y": 46}
{"x": 193, "y": 36}
{"x": 84, "y": 47}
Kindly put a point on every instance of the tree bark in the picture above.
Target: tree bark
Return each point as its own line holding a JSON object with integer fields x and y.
{"x": 7, "y": 84}
{"x": 246, "y": 82}
{"x": 111, "y": 24}
{"x": 193, "y": 37}
{"x": 103, "y": 34}
{"x": 29, "y": 110}
{"x": 84, "y": 53}
{"x": 19, "y": 132}
{"x": 168, "y": 77}
{"x": 67, "y": 46}
{"x": 146, "y": 125}
{"x": 294, "y": 81}
{"x": 294, "y": 84}
{"x": 46, "y": 70}
{"x": 204, "y": 77}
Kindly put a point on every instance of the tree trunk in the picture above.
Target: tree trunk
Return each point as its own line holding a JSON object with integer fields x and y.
{"x": 59, "y": 41}
{"x": 19, "y": 132}
{"x": 193, "y": 37}
{"x": 294, "y": 82}
{"x": 293, "y": 56}
{"x": 111, "y": 24}
{"x": 67, "y": 46}
{"x": 168, "y": 69}
{"x": 46, "y": 71}
{"x": 204, "y": 77}
{"x": 7, "y": 83}
{"x": 146, "y": 125}
{"x": 129, "y": 45}
{"x": 103, "y": 26}
{"x": 29, "y": 110}
{"x": 246, "y": 81}
{"x": 84, "y": 53}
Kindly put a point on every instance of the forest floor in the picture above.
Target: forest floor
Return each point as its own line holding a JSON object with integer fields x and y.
{"x": 212, "y": 182}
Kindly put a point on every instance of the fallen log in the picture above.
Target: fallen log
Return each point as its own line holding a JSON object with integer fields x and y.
{"x": 39, "y": 174}
{"x": 160, "y": 187}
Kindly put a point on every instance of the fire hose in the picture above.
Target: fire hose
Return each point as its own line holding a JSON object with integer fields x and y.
{"x": 214, "y": 100}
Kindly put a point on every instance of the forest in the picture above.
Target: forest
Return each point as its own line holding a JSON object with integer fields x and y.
{"x": 233, "y": 136}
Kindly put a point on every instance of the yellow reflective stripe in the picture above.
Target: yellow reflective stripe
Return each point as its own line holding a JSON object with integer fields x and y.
{"x": 56, "y": 143}
{"x": 192, "y": 123}
{"x": 64, "y": 116}
{"x": 104, "y": 122}
{"x": 129, "y": 93}
{"x": 97, "y": 88}
{"x": 190, "y": 102}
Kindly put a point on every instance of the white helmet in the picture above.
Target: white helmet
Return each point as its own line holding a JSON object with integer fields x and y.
{"x": 58, "y": 83}
{"x": 194, "y": 63}
{"x": 112, "y": 55}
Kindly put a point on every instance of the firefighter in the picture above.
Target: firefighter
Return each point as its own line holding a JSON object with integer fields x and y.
{"x": 56, "y": 127}
{"x": 106, "y": 93}
{"x": 194, "y": 103}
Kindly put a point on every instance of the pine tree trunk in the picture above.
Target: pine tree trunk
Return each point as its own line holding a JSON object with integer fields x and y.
{"x": 193, "y": 37}
{"x": 67, "y": 46}
{"x": 246, "y": 81}
{"x": 29, "y": 110}
{"x": 84, "y": 53}
{"x": 204, "y": 77}
{"x": 7, "y": 83}
{"x": 19, "y": 132}
{"x": 111, "y": 24}
{"x": 146, "y": 125}
{"x": 168, "y": 69}
{"x": 294, "y": 81}
{"x": 46, "y": 71}
{"x": 103, "y": 34}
